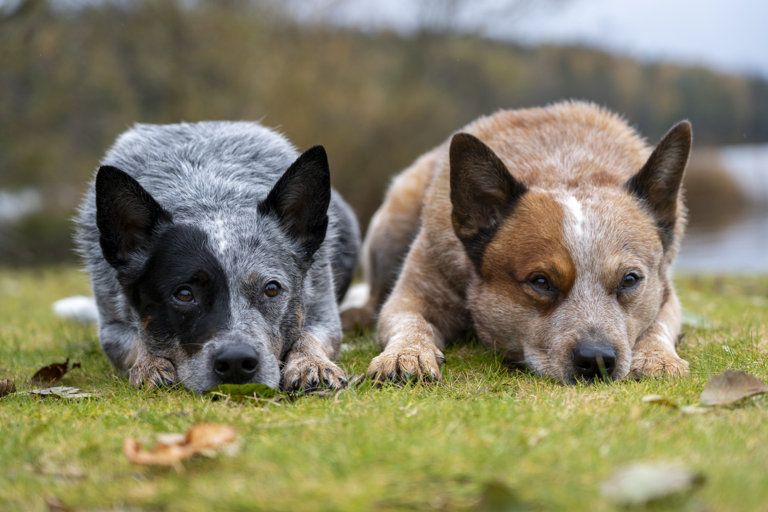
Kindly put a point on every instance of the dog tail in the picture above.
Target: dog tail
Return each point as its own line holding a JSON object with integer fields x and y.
{"x": 78, "y": 307}
{"x": 356, "y": 296}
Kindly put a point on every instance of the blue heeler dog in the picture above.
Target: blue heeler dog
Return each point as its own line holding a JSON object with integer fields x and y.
{"x": 217, "y": 255}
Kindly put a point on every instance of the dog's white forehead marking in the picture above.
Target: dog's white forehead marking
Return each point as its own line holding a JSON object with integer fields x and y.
{"x": 218, "y": 234}
{"x": 575, "y": 220}
{"x": 582, "y": 229}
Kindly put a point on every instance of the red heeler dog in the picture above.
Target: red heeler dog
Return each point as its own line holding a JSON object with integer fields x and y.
{"x": 547, "y": 232}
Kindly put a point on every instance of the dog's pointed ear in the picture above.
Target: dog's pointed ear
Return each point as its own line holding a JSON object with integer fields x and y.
{"x": 657, "y": 184}
{"x": 126, "y": 215}
{"x": 483, "y": 193}
{"x": 300, "y": 199}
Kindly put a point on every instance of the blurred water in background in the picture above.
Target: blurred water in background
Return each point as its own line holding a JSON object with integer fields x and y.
{"x": 740, "y": 248}
{"x": 739, "y": 245}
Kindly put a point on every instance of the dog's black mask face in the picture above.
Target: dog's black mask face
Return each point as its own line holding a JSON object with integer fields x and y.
{"x": 183, "y": 293}
{"x": 208, "y": 309}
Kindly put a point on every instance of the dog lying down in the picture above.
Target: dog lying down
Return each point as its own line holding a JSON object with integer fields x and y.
{"x": 217, "y": 254}
{"x": 548, "y": 232}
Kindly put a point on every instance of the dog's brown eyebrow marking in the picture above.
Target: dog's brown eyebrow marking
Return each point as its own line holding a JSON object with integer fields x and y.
{"x": 531, "y": 241}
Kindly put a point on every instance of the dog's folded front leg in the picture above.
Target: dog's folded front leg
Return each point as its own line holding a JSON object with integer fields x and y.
{"x": 308, "y": 366}
{"x": 654, "y": 353}
{"x": 148, "y": 370}
{"x": 413, "y": 322}
{"x": 410, "y": 350}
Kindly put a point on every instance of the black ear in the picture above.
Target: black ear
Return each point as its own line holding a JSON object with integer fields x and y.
{"x": 300, "y": 200}
{"x": 126, "y": 215}
{"x": 657, "y": 184}
{"x": 483, "y": 193}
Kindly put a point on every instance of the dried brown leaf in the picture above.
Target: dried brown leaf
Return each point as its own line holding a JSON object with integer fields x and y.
{"x": 52, "y": 374}
{"x": 171, "y": 449}
{"x": 161, "y": 455}
{"x": 7, "y": 387}
{"x": 730, "y": 387}
{"x": 207, "y": 436}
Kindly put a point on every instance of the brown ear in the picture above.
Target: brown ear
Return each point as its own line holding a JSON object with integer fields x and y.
{"x": 483, "y": 193}
{"x": 657, "y": 184}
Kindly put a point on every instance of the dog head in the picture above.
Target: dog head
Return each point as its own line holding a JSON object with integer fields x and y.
{"x": 567, "y": 278}
{"x": 219, "y": 294}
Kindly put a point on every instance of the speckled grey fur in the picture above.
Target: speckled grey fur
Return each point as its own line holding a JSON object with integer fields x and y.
{"x": 212, "y": 175}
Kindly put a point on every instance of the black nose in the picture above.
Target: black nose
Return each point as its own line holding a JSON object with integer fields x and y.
{"x": 236, "y": 364}
{"x": 591, "y": 360}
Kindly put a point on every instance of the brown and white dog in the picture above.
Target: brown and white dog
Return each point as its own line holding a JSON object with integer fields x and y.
{"x": 548, "y": 232}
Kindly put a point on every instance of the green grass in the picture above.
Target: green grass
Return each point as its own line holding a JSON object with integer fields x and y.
{"x": 418, "y": 447}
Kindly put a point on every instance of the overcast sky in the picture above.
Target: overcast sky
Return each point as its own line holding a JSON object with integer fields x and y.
{"x": 729, "y": 35}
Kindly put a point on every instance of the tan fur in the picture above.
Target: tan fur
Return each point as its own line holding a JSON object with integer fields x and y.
{"x": 391, "y": 231}
{"x": 577, "y": 224}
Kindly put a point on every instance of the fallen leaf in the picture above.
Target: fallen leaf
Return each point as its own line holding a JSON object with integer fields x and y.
{"x": 641, "y": 483}
{"x": 7, "y": 387}
{"x": 208, "y": 436}
{"x": 660, "y": 400}
{"x": 730, "y": 387}
{"x": 244, "y": 390}
{"x": 170, "y": 438}
{"x": 52, "y": 374}
{"x": 62, "y": 392}
{"x": 161, "y": 455}
{"x": 171, "y": 449}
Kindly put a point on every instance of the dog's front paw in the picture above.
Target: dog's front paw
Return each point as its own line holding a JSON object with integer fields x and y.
{"x": 152, "y": 372}
{"x": 657, "y": 363}
{"x": 407, "y": 363}
{"x": 308, "y": 373}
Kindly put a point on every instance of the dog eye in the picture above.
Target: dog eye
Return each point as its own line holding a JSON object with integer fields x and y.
{"x": 540, "y": 283}
{"x": 184, "y": 295}
{"x": 272, "y": 289}
{"x": 629, "y": 281}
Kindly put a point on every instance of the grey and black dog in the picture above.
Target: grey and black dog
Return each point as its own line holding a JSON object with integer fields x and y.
{"x": 217, "y": 255}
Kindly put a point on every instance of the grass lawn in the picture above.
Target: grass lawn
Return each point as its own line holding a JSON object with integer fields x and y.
{"x": 417, "y": 447}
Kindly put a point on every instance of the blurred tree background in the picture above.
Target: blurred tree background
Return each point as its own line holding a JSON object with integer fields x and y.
{"x": 74, "y": 75}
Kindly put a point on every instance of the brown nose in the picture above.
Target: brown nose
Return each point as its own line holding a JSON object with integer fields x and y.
{"x": 593, "y": 359}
